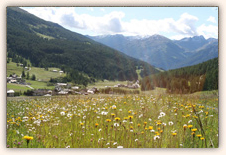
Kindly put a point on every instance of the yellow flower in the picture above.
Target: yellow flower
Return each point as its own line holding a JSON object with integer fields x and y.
{"x": 142, "y": 132}
{"x": 145, "y": 123}
{"x": 159, "y": 122}
{"x": 193, "y": 130}
{"x": 131, "y": 128}
{"x": 199, "y": 135}
{"x": 138, "y": 125}
{"x": 125, "y": 118}
{"x": 157, "y": 133}
{"x": 202, "y": 138}
{"x": 81, "y": 124}
{"x": 129, "y": 112}
{"x": 28, "y": 138}
{"x": 117, "y": 119}
{"x": 108, "y": 120}
{"x": 150, "y": 127}
{"x": 188, "y": 115}
{"x": 130, "y": 117}
{"x": 195, "y": 117}
{"x": 190, "y": 126}
{"x": 96, "y": 124}
{"x": 145, "y": 128}
{"x": 174, "y": 133}
{"x": 113, "y": 115}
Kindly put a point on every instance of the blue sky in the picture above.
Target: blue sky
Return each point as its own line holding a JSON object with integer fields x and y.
{"x": 172, "y": 22}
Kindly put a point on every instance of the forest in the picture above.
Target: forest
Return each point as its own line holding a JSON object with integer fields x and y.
{"x": 203, "y": 76}
{"x": 47, "y": 44}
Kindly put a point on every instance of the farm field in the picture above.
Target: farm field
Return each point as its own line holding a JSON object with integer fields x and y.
{"x": 34, "y": 84}
{"x": 102, "y": 84}
{"x": 40, "y": 73}
{"x": 17, "y": 87}
{"x": 114, "y": 121}
{"x": 42, "y": 77}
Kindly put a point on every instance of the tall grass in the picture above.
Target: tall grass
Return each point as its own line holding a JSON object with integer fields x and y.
{"x": 129, "y": 121}
{"x": 113, "y": 90}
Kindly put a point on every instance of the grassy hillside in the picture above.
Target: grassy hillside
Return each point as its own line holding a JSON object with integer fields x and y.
{"x": 40, "y": 73}
{"x": 48, "y": 44}
{"x": 17, "y": 87}
{"x": 42, "y": 77}
{"x": 13, "y": 68}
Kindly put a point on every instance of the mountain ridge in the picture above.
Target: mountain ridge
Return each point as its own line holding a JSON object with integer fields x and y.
{"x": 48, "y": 44}
{"x": 159, "y": 50}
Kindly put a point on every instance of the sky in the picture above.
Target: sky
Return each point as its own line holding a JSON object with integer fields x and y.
{"x": 171, "y": 22}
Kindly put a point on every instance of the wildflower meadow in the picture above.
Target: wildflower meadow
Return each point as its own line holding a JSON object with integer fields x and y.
{"x": 116, "y": 121}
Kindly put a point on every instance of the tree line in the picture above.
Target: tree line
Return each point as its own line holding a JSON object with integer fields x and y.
{"x": 203, "y": 76}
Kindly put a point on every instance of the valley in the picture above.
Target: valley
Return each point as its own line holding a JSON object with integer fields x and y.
{"x": 69, "y": 90}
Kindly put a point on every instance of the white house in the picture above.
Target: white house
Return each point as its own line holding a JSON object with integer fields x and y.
{"x": 10, "y": 93}
{"x": 75, "y": 87}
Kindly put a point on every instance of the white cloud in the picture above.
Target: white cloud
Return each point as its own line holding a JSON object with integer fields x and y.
{"x": 211, "y": 19}
{"x": 178, "y": 37}
{"x": 113, "y": 23}
{"x": 209, "y": 31}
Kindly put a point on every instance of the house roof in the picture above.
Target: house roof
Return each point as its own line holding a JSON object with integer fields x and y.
{"x": 10, "y": 91}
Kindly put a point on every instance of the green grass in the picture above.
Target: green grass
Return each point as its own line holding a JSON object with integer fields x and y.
{"x": 17, "y": 87}
{"x": 136, "y": 121}
{"x": 102, "y": 84}
{"x": 138, "y": 73}
{"x": 34, "y": 84}
{"x": 39, "y": 84}
{"x": 40, "y": 73}
{"x": 12, "y": 68}
{"x": 44, "y": 36}
{"x": 44, "y": 75}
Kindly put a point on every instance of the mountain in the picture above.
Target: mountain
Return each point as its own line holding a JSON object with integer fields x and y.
{"x": 191, "y": 43}
{"x": 162, "y": 52}
{"x": 47, "y": 44}
{"x": 157, "y": 50}
{"x": 206, "y": 52}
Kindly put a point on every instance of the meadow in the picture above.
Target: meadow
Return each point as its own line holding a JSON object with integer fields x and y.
{"x": 114, "y": 121}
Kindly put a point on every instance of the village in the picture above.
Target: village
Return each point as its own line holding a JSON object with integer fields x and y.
{"x": 62, "y": 88}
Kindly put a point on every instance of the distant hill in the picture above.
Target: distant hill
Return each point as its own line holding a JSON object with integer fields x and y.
{"x": 206, "y": 52}
{"x": 48, "y": 44}
{"x": 162, "y": 52}
{"x": 156, "y": 50}
{"x": 191, "y": 43}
